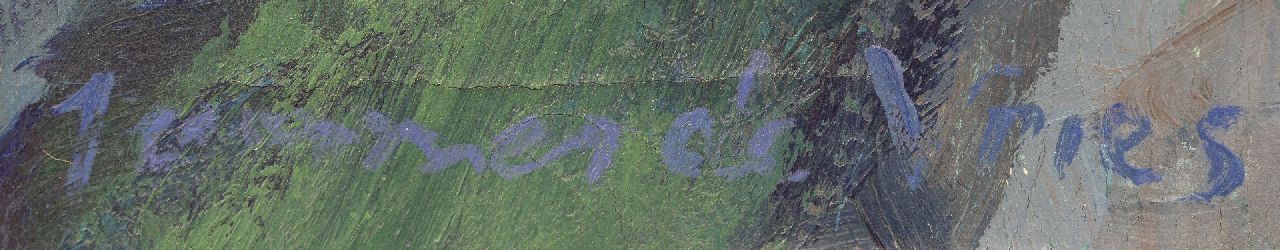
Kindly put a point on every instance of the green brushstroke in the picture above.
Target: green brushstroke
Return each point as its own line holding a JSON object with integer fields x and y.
{"x": 467, "y": 70}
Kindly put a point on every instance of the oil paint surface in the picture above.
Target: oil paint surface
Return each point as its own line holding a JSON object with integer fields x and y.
{"x": 816, "y": 124}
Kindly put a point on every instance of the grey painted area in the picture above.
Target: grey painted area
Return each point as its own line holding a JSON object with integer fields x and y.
{"x": 23, "y": 87}
{"x": 1039, "y": 210}
{"x": 1101, "y": 42}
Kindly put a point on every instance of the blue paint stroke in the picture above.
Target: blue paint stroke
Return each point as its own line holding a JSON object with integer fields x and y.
{"x": 1031, "y": 117}
{"x": 1006, "y": 70}
{"x": 886, "y": 75}
{"x": 999, "y": 120}
{"x": 748, "y": 78}
{"x": 91, "y": 100}
{"x": 1068, "y": 144}
{"x": 976, "y": 88}
{"x": 388, "y": 136}
{"x": 600, "y": 135}
{"x": 25, "y": 62}
{"x": 247, "y": 130}
{"x": 82, "y": 166}
{"x": 674, "y": 154}
{"x": 916, "y": 178}
{"x": 758, "y": 158}
{"x": 997, "y": 70}
{"x": 152, "y": 127}
{"x": 1116, "y": 147}
{"x": 327, "y": 136}
{"x": 439, "y": 158}
{"x": 195, "y": 128}
{"x": 798, "y": 175}
{"x": 273, "y": 124}
{"x": 1226, "y": 171}
{"x": 606, "y": 143}
{"x": 514, "y": 141}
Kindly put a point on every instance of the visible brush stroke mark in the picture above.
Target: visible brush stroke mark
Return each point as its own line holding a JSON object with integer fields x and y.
{"x": 153, "y": 4}
{"x": 606, "y": 143}
{"x": 12, "y": 141}
{"x": 600, "y": 135}
{"x": 152, "y": 127}
{"x": 1226, "y": 171}
{"x": 758, "y": 158}
{"x": 386, "y": 138}
{"x": 997, "y": 70}
{"x": 513, "y": 141}
{"x": 437, "y": 158}
{"x": 263, "y": 82}
{"x": 441, "y": 158}
{"x": 799, "y": 176}
{"x": 276, "y": 134}
{"x": 999, "y": 120}
{"x": 748, "y": 78}
{"x": 1068, "y": 144}
{"x": 245, "y": 128}
{"x": 25, "y": 62}
{"x": 195, "y": 128}
{"x": 1031, "y": 117}
{"x": 82, "y": 166}
{"x": 900, "y": 111}
{"x": 976, "y": 88}
{"x": 327, "y": 136}
{"x": 886, "y": 76}
{"x": 677, "y": 158}
{"x": 1006, "y": 70}
{"x": 516, "y": 140}
{"x": 91, "y": 100}
{"x": 1116, "y": 147}
{"x": 916, "y": 178}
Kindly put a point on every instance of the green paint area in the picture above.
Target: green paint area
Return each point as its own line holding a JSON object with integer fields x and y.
{"x": 467, "y": 71}
{"x": 336, "y": 204}
{"x": 536, "y": 44}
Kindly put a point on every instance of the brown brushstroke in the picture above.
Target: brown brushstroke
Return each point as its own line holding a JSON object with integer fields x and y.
{"x": 1170, "y": 97}
{"x": 1175, "y": 87}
